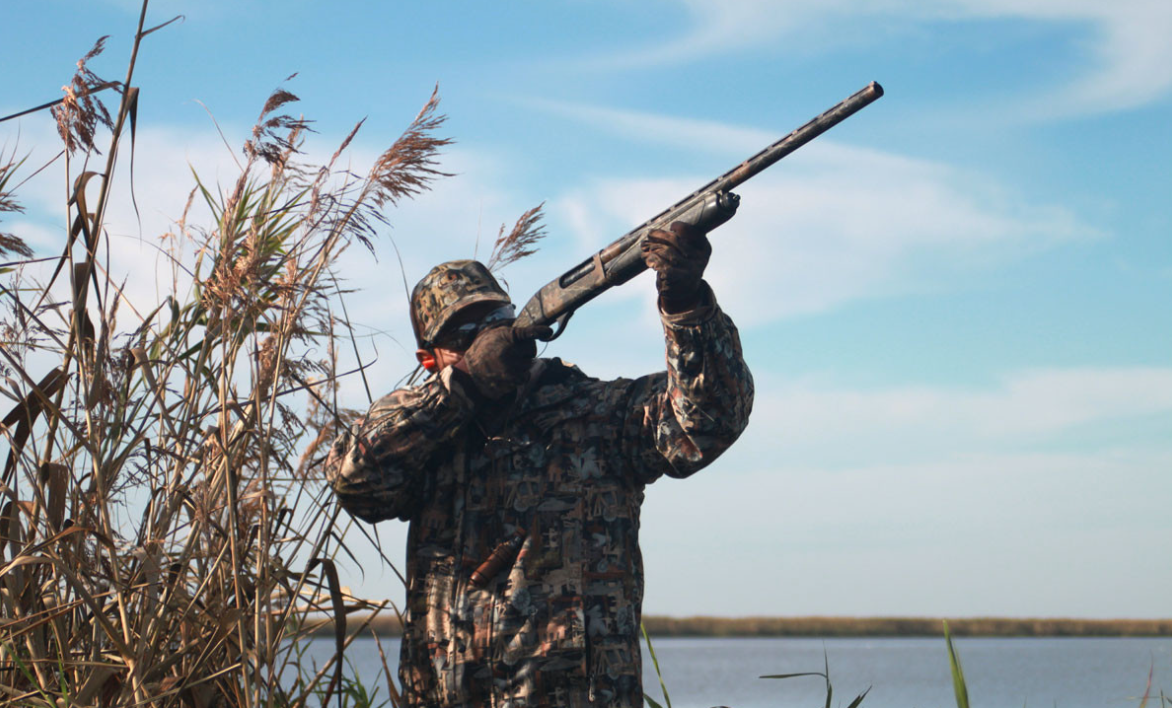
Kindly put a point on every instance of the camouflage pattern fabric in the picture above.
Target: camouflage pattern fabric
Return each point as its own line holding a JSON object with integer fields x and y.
{"x": 568, "y": 463}
{"x": 447, "y": 288}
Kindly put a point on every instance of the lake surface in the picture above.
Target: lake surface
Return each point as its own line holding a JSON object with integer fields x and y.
{"x": 902, "y": 673}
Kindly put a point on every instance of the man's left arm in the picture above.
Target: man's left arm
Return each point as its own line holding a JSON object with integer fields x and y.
{"x": 686, "y": 417}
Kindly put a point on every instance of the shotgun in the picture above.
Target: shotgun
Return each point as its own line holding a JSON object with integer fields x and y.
{"x": 706, "y": 208}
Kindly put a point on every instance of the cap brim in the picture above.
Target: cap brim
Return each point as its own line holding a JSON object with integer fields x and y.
{"x": 458, "y": 306}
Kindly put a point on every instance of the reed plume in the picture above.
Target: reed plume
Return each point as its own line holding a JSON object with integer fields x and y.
{"x": 10, "y": 243}
{"x": 521, "y": 241}
{"x": 409, "y": 166}
{"x": 81, "y": 111}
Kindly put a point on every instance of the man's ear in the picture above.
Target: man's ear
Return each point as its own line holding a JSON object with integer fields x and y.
{"x": 426, "y": 359}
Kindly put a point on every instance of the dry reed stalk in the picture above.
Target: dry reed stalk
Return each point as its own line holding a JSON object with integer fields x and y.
{"x": 165, "y": 536}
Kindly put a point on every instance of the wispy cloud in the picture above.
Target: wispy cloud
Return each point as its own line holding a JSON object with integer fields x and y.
{"x": 832, "y": 483}
{"x": 1129, "y": 54}
{"x": 1034, "y": 475}
{"x": 711, "y": 136}
{"x": 883, "y": 538}
{"x": 1024, "y": 410}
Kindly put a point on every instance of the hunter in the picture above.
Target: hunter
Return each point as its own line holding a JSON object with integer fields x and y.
{"x": 522, "y": 481}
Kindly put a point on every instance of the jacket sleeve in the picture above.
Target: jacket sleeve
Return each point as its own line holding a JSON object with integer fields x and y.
{"x": 680, "y": 420}
{"x": 379, "y": 468}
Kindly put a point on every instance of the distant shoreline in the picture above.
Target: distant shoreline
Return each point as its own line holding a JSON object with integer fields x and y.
{"x": 387, "y": 625}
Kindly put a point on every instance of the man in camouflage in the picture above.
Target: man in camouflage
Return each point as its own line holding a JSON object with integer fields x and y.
{"x": 539, "y": 470}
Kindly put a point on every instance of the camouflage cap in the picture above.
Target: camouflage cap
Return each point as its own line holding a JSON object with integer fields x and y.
{"x": 447, "y": 289}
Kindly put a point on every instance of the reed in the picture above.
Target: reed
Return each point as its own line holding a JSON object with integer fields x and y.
{"x": 166, "y": 537}
{"x": 959, "y": 685}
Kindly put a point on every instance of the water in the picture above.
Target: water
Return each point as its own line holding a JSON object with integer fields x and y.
{"x": 902, "y": 673}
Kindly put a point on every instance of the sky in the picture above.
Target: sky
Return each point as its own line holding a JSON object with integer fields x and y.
{"x": 955, "y": 304}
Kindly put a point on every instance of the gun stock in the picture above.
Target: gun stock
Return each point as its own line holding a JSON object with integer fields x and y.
{"x": 706, "y": 208}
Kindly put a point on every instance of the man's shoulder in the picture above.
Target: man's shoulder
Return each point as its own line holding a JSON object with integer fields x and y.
{"x": 561, "y": 384}
{"x": 407, "y": 396}
{"x": 558, "y": 372}
{"x": 557, "y": 382}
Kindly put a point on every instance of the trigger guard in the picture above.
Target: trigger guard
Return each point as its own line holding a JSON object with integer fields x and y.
{"x": 561, "y": 325}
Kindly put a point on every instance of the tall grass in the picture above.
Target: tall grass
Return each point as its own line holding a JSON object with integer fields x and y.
{"x": 165, "y": 536}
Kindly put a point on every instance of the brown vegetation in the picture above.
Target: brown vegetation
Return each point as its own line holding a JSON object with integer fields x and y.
{"x": 900, "y": 627}
{"x": 659, "y": 626}
{"x": 166, "y": 538}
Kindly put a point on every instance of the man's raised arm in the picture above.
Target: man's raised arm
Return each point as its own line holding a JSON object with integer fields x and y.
{"x": 683, "y": 419}
{"x": 378, "y": 468}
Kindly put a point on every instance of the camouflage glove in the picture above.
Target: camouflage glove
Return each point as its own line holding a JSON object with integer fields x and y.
{"x": 498, "y": 360}
{"x": 678, "y": 258}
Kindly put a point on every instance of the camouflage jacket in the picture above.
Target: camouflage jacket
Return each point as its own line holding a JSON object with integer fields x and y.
{"x": 563, "y": 469}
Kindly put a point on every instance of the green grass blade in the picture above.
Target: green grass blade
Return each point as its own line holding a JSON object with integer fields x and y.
{"x": 826, "y": 666}
{"x": 1148, "y": 691}
{"x": 61, "y": 673}
{"x": 855, "y": 703}
{"x": 958, "y": 683}
{"x": 655, "y": 661}
{"x": 28, "y": 674}
{"x": 825, "y": 675}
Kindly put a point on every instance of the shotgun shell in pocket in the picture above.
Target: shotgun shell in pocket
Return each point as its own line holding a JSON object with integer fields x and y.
{"x": 501, "y": 556}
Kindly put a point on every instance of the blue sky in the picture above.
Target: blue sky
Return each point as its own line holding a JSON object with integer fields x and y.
{"x": 955, "y": 304}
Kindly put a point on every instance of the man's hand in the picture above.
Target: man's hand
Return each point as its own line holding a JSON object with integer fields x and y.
{"x": 499, "y": 358}
{"x": 678, "y": 258}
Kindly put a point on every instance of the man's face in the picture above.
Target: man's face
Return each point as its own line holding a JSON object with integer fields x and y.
{"x": 461, "y": 330}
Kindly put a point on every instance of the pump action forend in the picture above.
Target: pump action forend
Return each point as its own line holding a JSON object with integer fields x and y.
{"x": 706, "y": 208}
